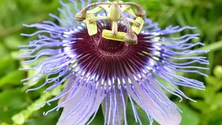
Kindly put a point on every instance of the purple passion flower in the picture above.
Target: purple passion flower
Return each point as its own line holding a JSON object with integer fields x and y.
{"x": 110, "y": 54}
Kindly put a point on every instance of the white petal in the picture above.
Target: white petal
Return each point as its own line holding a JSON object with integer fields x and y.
{"x": 155, "y": 102}
{"x": 80, "y": 107}
{"x": 114, "y": 105}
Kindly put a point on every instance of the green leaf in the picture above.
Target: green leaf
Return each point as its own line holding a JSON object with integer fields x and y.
{"x": 214, "y": 85}
{"x": 143, "y": 117}
{"x": 11, "y": 101}
{"x": 5, "y": 124}
{"x": 38, "y": 118}
{"x": 13, "y": 78}
{"x": 189, "y": 117}
{"x": 200, "y": 105}
{"x": 3, "y": 50}
{"x": 212, "y": 80}
{"x": 215, "y": 117}
{"x": 99, "y": 119}
{"x": 25, "y": 114}
{"x": 12, "y": 42}
{"x": 216, "y": 102}
{"x": 216, "y": 122}
{"x": 7, "y": 65}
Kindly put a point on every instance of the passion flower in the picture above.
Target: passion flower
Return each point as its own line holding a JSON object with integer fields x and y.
{"x": 108, "y": 53}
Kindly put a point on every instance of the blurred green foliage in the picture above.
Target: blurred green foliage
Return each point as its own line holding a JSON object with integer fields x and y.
{"x": 17, "y": 107}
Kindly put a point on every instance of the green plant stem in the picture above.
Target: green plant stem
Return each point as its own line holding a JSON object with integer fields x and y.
{"x": 212, "y": 47}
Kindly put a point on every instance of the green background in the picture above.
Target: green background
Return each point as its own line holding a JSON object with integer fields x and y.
{"x": 17, "y": 107}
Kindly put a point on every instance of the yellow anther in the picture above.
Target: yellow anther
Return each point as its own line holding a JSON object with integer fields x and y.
{"x": 91, "y": 26}
{"x": 137, "y": 29}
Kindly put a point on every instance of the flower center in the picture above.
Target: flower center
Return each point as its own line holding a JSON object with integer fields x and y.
{"x": 110, "y": 46}
{"x": 102, "y": 46}
{"x": 108, "y": 58}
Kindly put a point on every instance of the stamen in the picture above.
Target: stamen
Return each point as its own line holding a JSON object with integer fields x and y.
{"x": 114, "y": 14}
{"x": 130, "y": 37}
